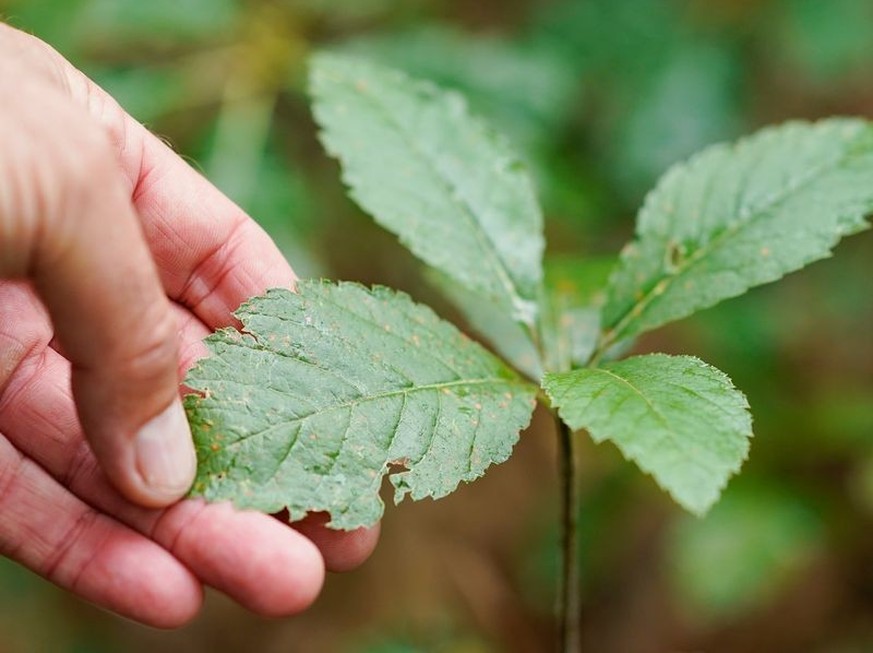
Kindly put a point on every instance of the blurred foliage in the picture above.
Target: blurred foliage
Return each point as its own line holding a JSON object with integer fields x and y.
{"x": 764, "y": 535}
{"x": 827, "y": 40}
{"x": 599, "y": 96}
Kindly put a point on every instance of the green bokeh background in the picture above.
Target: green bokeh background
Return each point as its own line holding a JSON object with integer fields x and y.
{"x": 599, "y": 96}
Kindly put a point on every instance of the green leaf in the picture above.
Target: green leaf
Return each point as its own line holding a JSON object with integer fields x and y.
{"x": 765, "y": 534}
{"x": 737, "y": 216}
{"x": 328, "y": 389}
{"x": 569, "y": 316}
{"x": 580, "y": 279}
{"x": 427, "y": 171}
{"x": 569, "y": 333}
{"x": 488, "y": 318}
{"x": 570, "y": 323}
{"x": 827, "y": 42}
{"x": 527, "y": 92}
{"x": 679, "y": 419}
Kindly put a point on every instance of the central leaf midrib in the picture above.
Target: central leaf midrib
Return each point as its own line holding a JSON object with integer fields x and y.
{"x": 430, "y": 387}
{"x": 627, "y": 317}
{"x": 672, "y": 435}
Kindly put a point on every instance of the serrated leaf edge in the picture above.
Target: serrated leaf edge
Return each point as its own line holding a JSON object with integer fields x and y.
{"x": 525, "y": 309}
{"x": 191, "y": 399}
{"x": 619, "y": 331}
{"x": 601, "y": 437}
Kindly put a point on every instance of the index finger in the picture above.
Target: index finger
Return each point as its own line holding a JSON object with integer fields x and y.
{"x": 211, "y": 256}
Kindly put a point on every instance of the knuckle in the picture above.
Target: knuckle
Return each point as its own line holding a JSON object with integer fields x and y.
{"x": 82, "y": 160}
{"x": 150, "y": 355}
{"x": 60, "y": 142}
{"x": 20, "y": 202}
{"x": 56, "y": 162}
{"x": 25, "y": 334}
{"x": 217, "y": 264}
{"x": 39, "y": 59}
{"x": 75, "y": 172}
{"x": 26, "y": 56}
{"x": 80, "y": 466}
{"x": 61, "y": 566}
{"x": 17, "y": 353}
{"x": 104, "y": 109}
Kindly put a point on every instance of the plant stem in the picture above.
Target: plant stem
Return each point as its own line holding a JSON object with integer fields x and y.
{"x": 569, "y": 633}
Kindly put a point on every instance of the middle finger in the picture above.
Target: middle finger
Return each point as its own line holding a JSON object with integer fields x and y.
{"x": 264, "y": 565}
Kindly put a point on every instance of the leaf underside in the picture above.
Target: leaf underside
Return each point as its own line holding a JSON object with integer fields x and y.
{"x": 737, "y": 216}
{"x": 445, "y": 184}
{"x": 328, "y": 390}
{"x": 679, "y": 419}
{"x": 493, "y": 322}
{"x": 570, "y": 323}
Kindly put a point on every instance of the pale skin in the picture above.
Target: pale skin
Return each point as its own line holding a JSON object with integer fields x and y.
{"x": 116, "y": 259}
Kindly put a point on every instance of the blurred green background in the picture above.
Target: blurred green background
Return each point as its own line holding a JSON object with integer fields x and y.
{"x": 599, "y": 96}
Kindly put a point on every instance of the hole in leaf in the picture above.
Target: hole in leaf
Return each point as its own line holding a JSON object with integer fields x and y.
{"x": 676, "y": 253}
{"x": 399, "y": 465}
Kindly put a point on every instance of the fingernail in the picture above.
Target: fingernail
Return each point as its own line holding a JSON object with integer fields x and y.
{"x": 165, "y": 455}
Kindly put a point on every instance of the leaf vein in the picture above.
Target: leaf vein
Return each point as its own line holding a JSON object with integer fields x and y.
{"x": 482, "y": 237}
{"x": 752, "y": 215}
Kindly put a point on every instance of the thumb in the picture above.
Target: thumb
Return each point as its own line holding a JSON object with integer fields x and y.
{"x": 68, "y": 224}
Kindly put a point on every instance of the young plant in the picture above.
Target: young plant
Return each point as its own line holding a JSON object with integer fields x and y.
{"x": 328, "y": 390}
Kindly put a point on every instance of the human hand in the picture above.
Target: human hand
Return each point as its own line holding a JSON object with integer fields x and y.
{"x": 116, "y": 259}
